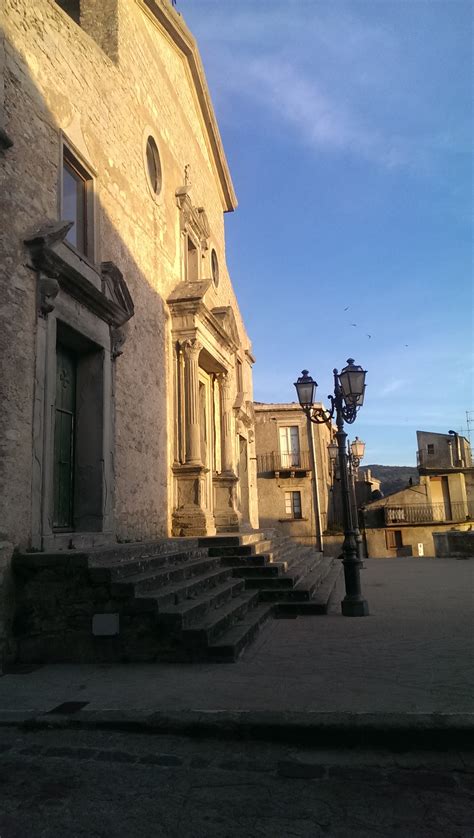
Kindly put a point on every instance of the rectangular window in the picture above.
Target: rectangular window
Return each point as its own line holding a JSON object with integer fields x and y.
{"x": 192, "y": 260}
{"x": 293, "y": 504}
{"x": 393, "y": 539}
{"x": 238, "y": 374}
{"x": 430, "y": 449}
{"x": 289, "y": 446}
{"x": 76, "y": 203}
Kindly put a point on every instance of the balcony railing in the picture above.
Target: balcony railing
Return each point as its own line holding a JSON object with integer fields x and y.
{"x": 429, "y": 513}
{"x": 274, "y": 461}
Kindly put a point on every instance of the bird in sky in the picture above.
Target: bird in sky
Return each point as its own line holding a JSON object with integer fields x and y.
{"x": 353, "y": 324}
{"x": 369, "y": 336}
{"x": 347, "y": 308}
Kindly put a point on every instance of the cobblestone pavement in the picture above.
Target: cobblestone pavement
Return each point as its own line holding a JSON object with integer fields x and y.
{"x": 55, "y": 784}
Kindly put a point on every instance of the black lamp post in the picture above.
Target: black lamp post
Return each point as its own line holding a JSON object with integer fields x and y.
{"x": 355, "y": 453}
{"x": 349, "y": 389}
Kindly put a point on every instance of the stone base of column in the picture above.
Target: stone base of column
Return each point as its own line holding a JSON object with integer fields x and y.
{"x": 190, "y": 516}
{"x": 225, "y": 501}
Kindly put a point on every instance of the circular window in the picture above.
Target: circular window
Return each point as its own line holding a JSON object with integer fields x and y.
{"x": 215, "y": 268}
{"x": 153, "y": 165}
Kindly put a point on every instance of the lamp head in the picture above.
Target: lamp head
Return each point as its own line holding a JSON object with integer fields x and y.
{"x": 357, "y": 448}
{"x": 352, "y": 381}
{"x": 306, "y": 389}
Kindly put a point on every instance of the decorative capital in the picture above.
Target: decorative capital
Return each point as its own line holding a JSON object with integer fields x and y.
{"x": 190, "y": 348}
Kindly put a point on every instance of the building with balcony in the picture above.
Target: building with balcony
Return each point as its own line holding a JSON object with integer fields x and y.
{"x": 404, "y": 522}
{"x": 293, "y": 472}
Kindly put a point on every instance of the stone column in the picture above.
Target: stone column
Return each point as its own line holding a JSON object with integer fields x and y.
{"x": 225, "y": 508}
{"x": 191, "y": 350}
{"x": 227, "y": 438}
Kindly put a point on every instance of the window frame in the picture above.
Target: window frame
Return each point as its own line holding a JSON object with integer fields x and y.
{"x": 72, "y": 161}
{"x": 289, "y": 458}
{"x": 296, "y": 512}
{"x": 392, "y": 537}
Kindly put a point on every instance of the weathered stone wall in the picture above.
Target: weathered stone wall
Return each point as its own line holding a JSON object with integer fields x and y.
{"x": 106, "y": 89}
{"x": 7, "y": 643}
{"x": 450, "y": 545}
{"x": 411, "y": 537}
{"x": 57, "y": 597}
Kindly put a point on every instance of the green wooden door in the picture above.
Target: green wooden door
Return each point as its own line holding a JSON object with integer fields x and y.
{"x": 64, "y": 428}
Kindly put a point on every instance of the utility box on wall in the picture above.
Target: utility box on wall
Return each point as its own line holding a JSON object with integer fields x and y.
{"x": 420, "y": 549}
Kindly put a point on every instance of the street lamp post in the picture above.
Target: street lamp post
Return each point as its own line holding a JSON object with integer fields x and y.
{"x": 355, "y": 453}
{"x": 349, "y": 389}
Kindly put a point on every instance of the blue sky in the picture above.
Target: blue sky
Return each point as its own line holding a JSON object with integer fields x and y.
{"x": 348, "y": 128}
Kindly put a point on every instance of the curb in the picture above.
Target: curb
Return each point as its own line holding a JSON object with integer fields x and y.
{"x": 392, "y": 731}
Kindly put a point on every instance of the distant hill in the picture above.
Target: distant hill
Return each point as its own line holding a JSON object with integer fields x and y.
{"x": 393, "y": 477}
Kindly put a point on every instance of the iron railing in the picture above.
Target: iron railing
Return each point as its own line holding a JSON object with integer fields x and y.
{"x": 274, "y": 461}
{"x": 429, "y": 513}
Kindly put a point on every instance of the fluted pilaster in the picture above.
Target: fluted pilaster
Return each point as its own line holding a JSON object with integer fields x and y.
{"x": 191, "y": 350}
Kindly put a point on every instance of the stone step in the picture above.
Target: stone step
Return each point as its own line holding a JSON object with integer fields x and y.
{"x": 314, "y": 575}
{"x": 230, "y": 645}
{"x": 189, "y": 588}
{"x": 146, "y": 563}
{"x": 199, "y": 637}
{"x": 258, "y": 560}
{"x": 164, "y": 576}
{"x": 255, "y": 548}
{"x": 309, "y": 565}
{"x": 302, "y": 581}
{"x": 268, "y": 570}
{"x": 229, "y": 539}
{"x": 131, "y": 551}
{"x": 262, "y": 582}
{"x": 189, "y": 612}
{"x": 318, "y": 603}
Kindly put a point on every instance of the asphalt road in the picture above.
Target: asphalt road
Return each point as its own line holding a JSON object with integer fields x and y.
{"x": 96, "y": 784}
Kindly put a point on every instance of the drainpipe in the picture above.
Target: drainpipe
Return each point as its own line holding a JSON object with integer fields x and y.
{"x": 316, "y": 504}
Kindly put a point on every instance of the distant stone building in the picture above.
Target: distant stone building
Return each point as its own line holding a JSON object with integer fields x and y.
{"x": 126, "y": 382}
{"x": 293, "y": 498}
{"x": 405, "y": 522}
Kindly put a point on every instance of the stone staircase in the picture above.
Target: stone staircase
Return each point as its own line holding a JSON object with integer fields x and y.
{"x": 179, "y": 599}
{"x": 294, "y": 577}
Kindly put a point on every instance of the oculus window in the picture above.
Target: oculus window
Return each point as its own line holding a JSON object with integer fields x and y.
{"x": 153, "y": 166}
{"x": 214, "y": 268}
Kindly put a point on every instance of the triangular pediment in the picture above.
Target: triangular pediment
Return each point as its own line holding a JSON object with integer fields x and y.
{"x": 226, "y": 318}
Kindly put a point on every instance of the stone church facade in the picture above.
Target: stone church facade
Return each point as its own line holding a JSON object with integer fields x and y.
{"x": 126, "y": 387}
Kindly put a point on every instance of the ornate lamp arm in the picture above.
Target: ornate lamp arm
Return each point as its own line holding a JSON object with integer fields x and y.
{"x": 320, "y": 415}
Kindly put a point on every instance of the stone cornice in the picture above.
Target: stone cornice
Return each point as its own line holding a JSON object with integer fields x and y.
{"x": 103, "y": 292}
{"x": 161, "y": 11}
{"x": 187, "y": 299}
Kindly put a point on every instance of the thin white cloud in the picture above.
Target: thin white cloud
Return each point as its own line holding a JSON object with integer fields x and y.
{"x": 392, "y": 386}
{"x": 338, "y": 79}
{"x": 319, "y": 119}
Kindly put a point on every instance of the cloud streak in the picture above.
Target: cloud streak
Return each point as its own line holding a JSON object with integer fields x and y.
{"x": 319, "y": 120}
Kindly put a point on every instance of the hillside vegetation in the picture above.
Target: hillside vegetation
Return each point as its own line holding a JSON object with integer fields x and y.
{"x": 393, "y": 477}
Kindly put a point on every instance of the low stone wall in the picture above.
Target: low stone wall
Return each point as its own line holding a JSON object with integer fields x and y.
{"x": 57, "y": 597}
{"x": 332, "y": 545}
{"x": 7, "y": 646}
{"x": 454, "y": 544}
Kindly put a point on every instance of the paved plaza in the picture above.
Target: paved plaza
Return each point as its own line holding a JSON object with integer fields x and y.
{"x": 413, "y": 657}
